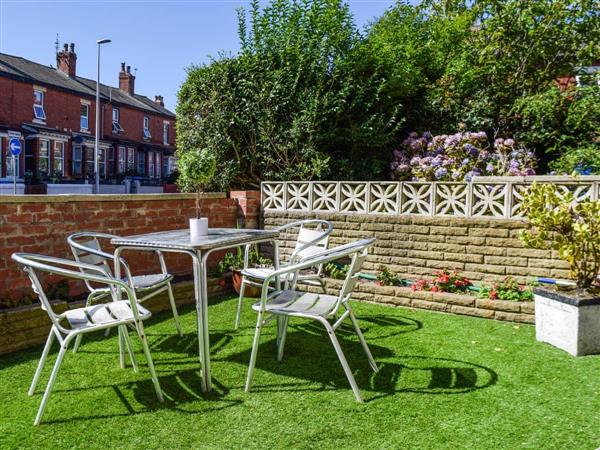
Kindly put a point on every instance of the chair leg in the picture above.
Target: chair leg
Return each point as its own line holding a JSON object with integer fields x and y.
{"x": 121, "y": 348}
{"x": 240, "y": 302}
{"x": 40, "y": 366}
{"x": 129, "y": 346}
{"x": 282, "y": 322}
{"x": 59, "y": 358}
{"x": 174, "y": 309}
{"x": 322, "y": 283}
{"x": 343, "y": 361}
{"x": 144, "y": 339}
{"x": 363, "y": 341}
{"x": 77, "y": 343}
{"x": 259, "y": 324}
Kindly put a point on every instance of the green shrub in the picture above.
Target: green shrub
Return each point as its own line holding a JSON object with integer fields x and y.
{"x": 387, "y": 277}
{"x": 197, "y": 169}
{"x": 571, "y": 228}
{"x": 508, "y": 289}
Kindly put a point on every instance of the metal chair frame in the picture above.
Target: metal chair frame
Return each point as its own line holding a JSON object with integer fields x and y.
{"x": 308, "y": 243}
{"x": 283, "y": 304}
{"x": 117, "y": 314}
{"x": 90, "y": 252}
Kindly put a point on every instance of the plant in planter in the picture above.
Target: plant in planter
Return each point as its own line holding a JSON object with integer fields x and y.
{"x": 508, "y": 289}
{"x": 336, "y": 270}
{"x": 234, "y": 263}
{"x": 387, "y": 277}
{"x": 197, "y": 168}
{"x": 567, "y": 318}
{"x": 444, "y": 281}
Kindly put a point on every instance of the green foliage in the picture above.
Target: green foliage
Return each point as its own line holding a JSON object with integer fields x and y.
{"x": 336, "y": 271}
{"x": 571, "y": 228}
{"x": 583, "y": 160}
{"x": 235, "y": 261}
{"x": 301, "y": 100}
{"x": 387, "y": 277}
{"x": 508, "y": 289}
{"x": 197, "y": 169}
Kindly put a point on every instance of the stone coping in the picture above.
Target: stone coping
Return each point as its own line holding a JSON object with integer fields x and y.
{"x": 567, "y": 298}
{"x": 70, "y": 198}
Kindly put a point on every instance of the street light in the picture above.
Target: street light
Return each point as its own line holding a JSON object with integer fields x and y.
{"x": 96, "y": 146}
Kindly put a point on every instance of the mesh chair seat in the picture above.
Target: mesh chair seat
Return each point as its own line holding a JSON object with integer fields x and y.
{"x": 104, "y": 314}
{"x": 290, "y": 302}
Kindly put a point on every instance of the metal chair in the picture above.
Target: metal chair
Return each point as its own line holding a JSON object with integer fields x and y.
{"x": 320, "y": 307}
{"x": 86, "y": 248}
{"x": 76, "y": 322}
{"x": 309, "y": 241}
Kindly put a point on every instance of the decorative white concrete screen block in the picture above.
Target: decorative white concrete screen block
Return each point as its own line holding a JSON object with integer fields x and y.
{"x": 570, "y": 327}
{"x": 490, "y": 197}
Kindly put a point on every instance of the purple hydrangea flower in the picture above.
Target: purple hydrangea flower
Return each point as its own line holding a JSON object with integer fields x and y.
{"x": 440, "y": 173}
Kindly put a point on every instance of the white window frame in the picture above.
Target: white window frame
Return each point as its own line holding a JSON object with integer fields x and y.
{"x": 102, "y": 162}
{"x": 121, "y": 157}
{"x": 158, "y": 165}
{"x": 116, "y": 118}
{"x": 146, "y": 128}
{"x": 166, "y": 132}
{"x": 85, "y": 117}
{"x": 110, "y": 162}
{"x": 151, "y": 164}
{"x": 77, "y": 158}
{"x": 46, "y": 158}
{"x": 130, "y": 158}
{"x": 59, "y": 149}
{"x": 39, "y": 113}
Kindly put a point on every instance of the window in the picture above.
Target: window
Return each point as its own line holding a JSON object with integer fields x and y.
{"x": 84, "y": 122}
{"x": 44, "y": 157}
{"x": 158, "y": 164}
{"x": 165, "y": 166}
{"x": 38, "y": 105}
{"x": 151, "y": 164}
{"x": 147, "y": 134}
{"x": 130, "y": 158}
{"x": 121, "y": 159}
{"x": 77, "y": 160}
{"x": 165, "y": 132}
{"x": 59, "y": 158}
{"x": 102, "y": 162}
{"x": 142, "y": 163}
{"x": 89, "y": 161}
{"x": 111, "y": 161}
{"x": 116, "y": 115}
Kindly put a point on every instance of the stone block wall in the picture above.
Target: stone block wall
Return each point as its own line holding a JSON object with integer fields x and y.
{"x": 483, "y": 249}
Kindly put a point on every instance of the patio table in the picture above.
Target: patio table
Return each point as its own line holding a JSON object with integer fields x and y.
{"x": 178, "y": 241}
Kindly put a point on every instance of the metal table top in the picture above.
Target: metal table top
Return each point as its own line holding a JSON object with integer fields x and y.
{"x": 180, "y": 239}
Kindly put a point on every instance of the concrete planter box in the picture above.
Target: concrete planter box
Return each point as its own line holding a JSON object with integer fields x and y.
{"x": 569, "y": 322}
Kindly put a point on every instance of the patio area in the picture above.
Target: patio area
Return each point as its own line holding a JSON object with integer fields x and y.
{"x": 444, "y": 382}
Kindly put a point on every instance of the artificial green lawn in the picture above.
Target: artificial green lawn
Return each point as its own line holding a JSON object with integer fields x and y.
{"x": 444, "y": 382}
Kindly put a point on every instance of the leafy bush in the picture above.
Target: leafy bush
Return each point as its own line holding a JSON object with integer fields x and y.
{"x": 197, "y": 169}
{"x": 336, "y": 271}
{"x": 508, "y": 289}
{"x": 444, "y": 281}
{"x": 571, "y": 228}
{"x": 235, "y": 261}
{"x": 582, "y": 160}
{"x": 459, "y": 157}
{"x": 387, "y": 277}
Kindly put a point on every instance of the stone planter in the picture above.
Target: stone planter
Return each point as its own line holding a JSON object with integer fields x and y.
{"x": 567, "y": 321}
{"x": 249, "y": 291}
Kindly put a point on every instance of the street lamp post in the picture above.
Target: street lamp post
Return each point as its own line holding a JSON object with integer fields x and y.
{"x": 96, "y": 145}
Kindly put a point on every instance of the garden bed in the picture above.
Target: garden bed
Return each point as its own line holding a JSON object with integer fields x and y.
{"x": 464, "y": 304}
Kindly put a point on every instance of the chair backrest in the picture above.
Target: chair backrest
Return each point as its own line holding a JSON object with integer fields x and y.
{"x": 32, "y": 264}
{"x": 310, "y": 241}
{"x": 86, "y": 249}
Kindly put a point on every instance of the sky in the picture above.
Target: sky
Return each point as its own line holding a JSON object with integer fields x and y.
{"x": 159, "y": 38}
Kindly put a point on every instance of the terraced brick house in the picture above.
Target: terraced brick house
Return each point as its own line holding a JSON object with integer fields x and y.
{"x": 54, "y": 110}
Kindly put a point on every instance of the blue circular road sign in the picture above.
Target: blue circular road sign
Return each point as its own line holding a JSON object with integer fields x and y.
{"x": 15, "y": 146}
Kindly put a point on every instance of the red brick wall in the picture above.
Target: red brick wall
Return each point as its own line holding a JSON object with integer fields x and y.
{"x": 41, "y": 224}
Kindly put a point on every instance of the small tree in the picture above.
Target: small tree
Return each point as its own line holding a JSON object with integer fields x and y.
{"x": 569, "y": 227}
{"x": 197, "y": 168}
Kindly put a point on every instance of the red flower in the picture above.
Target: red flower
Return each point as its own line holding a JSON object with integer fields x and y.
{"x": 222, "y": 282}
{"x": 493, "y": 295}
{"x": 435, "y": 289}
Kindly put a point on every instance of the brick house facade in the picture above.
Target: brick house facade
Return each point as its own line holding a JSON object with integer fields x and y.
{"x": 54, "y": 110}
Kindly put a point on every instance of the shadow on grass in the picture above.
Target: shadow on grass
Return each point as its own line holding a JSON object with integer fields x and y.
{"x": 310, "y": 357}
{"x": 180, "y": 389}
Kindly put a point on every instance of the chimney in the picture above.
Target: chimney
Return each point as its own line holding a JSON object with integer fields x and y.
{"x": 159, "y": 99}
{"x": 126, "y": 79}
{"x": 66, "y": 60}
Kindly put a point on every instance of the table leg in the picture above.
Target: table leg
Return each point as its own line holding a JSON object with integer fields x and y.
{"x": 205, "y": 331}
{"x": 197, "y": 266}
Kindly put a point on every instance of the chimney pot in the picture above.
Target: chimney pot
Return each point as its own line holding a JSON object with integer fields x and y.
{"x": 122, "y": 67}
{"x": 159, "y": 99}
{"x": 72, "y": 47}
{"x": 126, "y": 80}
{"x": 66, "y": 47}
{"x": 128, "y": 69}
